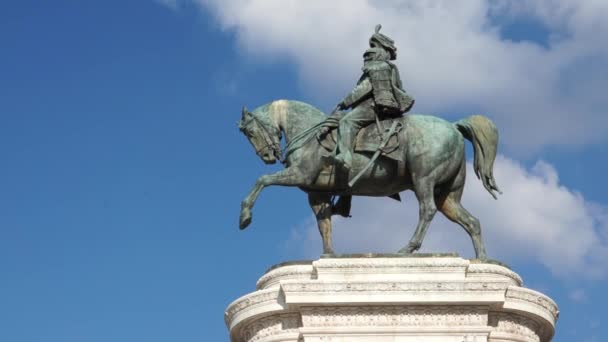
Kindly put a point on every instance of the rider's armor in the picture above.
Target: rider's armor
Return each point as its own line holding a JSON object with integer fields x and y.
{"x": 381, "y": 80}
{"x": 380, "y": 73}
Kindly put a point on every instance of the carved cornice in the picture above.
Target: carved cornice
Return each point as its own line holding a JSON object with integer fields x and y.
{"x": 389, "y": 316}
{"x": 290, "y": 272}
{"x": 251, "y": 300}
{"x": 491, "y": 269}
{"x": 531, "y": 296}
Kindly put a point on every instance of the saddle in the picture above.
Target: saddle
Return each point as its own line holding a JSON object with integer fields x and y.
{"x": 368, "y": 139}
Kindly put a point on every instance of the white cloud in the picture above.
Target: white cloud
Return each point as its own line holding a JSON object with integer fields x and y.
{"x": 536, "y": 218}
{"x": 451, "y": 55}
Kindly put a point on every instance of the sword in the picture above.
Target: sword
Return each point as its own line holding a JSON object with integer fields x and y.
{"x": 371, "y": 162}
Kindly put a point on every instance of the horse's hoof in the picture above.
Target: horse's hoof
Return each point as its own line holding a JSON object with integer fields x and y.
{"x": 405, "y": 251}
{"x": 244, "y": 223}
{"x": 409, "y": 249}
{"x": 245, "y": 219}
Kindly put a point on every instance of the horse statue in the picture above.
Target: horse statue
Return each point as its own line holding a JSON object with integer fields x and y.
{"x": 431, "y": 151}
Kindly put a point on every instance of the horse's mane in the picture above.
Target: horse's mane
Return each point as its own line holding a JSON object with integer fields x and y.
{"x": 318, "y": 121}
{"x": 305, "y": 115}
{"x": 302, "y": 109}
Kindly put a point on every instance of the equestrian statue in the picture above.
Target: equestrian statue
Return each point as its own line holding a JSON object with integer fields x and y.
{"x": 368, "y": 147}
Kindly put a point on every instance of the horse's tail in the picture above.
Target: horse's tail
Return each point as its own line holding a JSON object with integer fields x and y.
{"x": 482, "y": 133}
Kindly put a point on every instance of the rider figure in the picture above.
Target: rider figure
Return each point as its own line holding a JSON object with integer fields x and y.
{"x": 378, "y": 92}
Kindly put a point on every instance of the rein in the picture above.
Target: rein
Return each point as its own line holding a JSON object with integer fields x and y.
{"x": 269, "y": 142}
{"x": 308, "y": 134}
{"x": 294, "y": 144}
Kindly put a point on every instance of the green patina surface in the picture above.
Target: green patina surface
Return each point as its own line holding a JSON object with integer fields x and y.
{"x": 430, "y": 159}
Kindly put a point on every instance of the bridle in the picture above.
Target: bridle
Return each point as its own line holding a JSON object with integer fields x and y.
{"x": 266, "y": 135}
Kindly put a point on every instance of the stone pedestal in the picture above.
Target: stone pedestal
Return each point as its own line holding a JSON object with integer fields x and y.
{"x": 396, "y": 299}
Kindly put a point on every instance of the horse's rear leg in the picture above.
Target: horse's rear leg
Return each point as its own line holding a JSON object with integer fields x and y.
{"x": 321, "y": 206}
{"x": 424, "y": 189}
{"x": 451, "y": 207}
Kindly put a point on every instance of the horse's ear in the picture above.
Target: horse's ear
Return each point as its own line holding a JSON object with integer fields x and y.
{"x": 244, "y": 113}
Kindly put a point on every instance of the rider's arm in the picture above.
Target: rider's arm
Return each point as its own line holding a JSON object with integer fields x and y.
{"x": 395, "y": 77}
{"x": 361, "y": 91}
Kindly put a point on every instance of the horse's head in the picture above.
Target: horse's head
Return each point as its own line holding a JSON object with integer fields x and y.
{"x": 264, "y": 136}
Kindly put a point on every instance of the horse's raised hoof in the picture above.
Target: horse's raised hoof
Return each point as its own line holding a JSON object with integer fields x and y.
{"x": 245, "y": 218}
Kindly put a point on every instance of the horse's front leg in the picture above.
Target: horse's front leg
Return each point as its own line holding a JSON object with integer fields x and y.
{"x": 288, "y": 177}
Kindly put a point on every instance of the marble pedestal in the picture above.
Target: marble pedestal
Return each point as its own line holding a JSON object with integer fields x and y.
{"x": 396, "y": 299}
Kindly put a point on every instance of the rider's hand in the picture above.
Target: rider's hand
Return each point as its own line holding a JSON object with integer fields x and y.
{"x": 340, "y": 106}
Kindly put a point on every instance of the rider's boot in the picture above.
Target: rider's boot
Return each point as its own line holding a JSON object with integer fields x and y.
{"x": 342, "y": 206}
{"x": 346, "y": 137}
{"x": 345, "y": 160}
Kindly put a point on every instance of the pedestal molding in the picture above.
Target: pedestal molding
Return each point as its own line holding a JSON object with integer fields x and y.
{"x": 391, "y": 299}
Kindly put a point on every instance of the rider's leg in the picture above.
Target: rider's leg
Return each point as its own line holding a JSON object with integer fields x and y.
{"x": 342, "y": 206}
{"x": 348, "y": 128}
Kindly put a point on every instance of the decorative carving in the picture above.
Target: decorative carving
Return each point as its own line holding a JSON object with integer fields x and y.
{"x": 273, "y": 325}
{"x": 392, "y": 286}
{"x": 403, "y": 316}
{"x": 516, "y": 325}
{"x": 428, "y": 264}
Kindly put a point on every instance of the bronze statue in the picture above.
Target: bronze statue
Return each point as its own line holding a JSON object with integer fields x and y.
{"x": 418, "y": 152}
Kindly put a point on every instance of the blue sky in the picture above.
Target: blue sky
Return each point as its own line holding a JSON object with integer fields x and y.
{"x": 123, "y": 170}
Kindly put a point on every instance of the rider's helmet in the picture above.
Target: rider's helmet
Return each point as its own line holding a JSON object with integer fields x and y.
{"x": 378, "y": 40}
